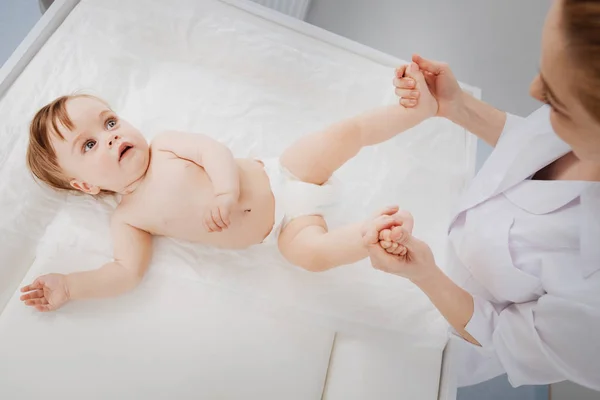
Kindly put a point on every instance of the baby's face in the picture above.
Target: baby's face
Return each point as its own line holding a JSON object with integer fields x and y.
{"x": 102, "y": 152}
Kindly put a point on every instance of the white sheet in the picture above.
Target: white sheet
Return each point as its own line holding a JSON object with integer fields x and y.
{"x": 205, "y": 66}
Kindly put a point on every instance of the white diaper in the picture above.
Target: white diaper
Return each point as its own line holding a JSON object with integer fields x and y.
{"x": 295, "y": 198}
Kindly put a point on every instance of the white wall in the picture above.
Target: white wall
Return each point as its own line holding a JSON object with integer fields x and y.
{"x": 492, "y": 44}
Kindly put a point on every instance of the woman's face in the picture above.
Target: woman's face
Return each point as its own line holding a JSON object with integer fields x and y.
{"x": 555, "y": 85}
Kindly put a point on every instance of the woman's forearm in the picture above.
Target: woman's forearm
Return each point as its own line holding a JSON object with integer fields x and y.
{"x": 480, "y": 118}
{"x": 453, "y": 302}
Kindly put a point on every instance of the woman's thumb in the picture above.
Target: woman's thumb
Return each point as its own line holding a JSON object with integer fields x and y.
{"x": 433, "y": 67}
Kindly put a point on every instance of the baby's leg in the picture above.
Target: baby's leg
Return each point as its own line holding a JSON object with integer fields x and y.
{"x": 306, "y": 243}
{"x": 315, "y": 157}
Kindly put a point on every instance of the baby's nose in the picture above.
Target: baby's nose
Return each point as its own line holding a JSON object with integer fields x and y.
{"x": 112, "y": 140}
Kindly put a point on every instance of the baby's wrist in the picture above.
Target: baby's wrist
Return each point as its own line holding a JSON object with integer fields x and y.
{"x": 68, "y": 285}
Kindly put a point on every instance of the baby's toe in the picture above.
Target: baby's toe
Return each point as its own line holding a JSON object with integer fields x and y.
{"x": 385, "y": 235}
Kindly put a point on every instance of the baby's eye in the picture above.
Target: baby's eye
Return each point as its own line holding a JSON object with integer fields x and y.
{"x": 89, "y": 145}
{"x": 111, "y": 123}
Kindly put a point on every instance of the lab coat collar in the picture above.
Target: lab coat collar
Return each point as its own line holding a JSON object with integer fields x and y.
{"x": 590, "y": 229}
{"x": 519, "y": 154}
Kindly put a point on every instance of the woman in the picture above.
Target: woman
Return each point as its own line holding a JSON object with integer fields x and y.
{"x": 523, "y": 283}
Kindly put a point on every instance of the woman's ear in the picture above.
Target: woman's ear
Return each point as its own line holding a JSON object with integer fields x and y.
{"x": 84, "y": 187}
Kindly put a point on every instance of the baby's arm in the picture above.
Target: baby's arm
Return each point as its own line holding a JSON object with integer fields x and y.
{"x": 219, "y": 164}
{"x": 132, "y": 253}
{"x": 383, "y": 123}
{"x": 216, "y": 159}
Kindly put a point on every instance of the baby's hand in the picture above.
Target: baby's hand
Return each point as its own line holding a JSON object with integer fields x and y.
{"x": 418, "y": 96}
{"x": 217, "y": 216}
{"x": 46, "y": 293}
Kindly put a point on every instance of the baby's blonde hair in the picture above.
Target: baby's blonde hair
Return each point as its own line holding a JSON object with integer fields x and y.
{"x": 41, "y": 157}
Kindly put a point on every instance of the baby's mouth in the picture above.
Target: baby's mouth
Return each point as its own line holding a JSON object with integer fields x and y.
{"x": 123, "y": 149}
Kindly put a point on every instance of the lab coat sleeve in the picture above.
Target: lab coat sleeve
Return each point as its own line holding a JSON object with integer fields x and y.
{"x": 512, "y": 121}
{"x": 542, "y": 341}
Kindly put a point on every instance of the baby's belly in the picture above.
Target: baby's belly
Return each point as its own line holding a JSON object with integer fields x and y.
{"x": 251, "y": 219}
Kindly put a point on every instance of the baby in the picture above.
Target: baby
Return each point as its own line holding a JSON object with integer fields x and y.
{"x": 189, "y": 186}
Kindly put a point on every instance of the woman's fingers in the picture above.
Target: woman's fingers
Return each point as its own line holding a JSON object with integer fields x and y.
{"x": 405, "y": 219}
{"x": 430, "y": 66}
{"x": 383, "y": 222}
{"x": 371, "y": 232}
{"x": 382, "y": 260}
{"x": 389, "y": 210}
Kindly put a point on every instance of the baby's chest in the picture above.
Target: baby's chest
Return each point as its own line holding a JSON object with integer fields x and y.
{"x": 176, "y": 191}
{"x": 171, "y": 173}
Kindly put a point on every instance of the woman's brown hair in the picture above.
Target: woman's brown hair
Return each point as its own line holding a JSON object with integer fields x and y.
{"x": 581, "y": 23}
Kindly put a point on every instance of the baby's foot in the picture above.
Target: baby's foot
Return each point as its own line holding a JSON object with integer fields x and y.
{"x": 424, "y": 98}
{"x": 389, "y": 245}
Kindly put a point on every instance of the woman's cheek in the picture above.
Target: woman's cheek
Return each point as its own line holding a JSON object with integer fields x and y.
{"x": 559, "y": 128}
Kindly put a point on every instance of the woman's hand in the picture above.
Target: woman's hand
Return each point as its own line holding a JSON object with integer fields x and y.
{"x": 441, "y": 82}
{"x": 411, "y": 258}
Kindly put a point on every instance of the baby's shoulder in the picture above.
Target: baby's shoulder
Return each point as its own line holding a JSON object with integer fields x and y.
{"x": 163, "y": 139}
{"x": 121, "y": 214}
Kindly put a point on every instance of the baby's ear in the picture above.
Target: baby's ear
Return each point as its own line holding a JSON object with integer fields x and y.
{"x": 84, "y": 187}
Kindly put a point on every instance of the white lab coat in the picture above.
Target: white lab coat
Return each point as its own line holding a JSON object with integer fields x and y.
{"x": 529, "y": 252}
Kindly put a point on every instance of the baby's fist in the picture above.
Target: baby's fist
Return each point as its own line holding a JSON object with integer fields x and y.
{"x": 218, "y": 215}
